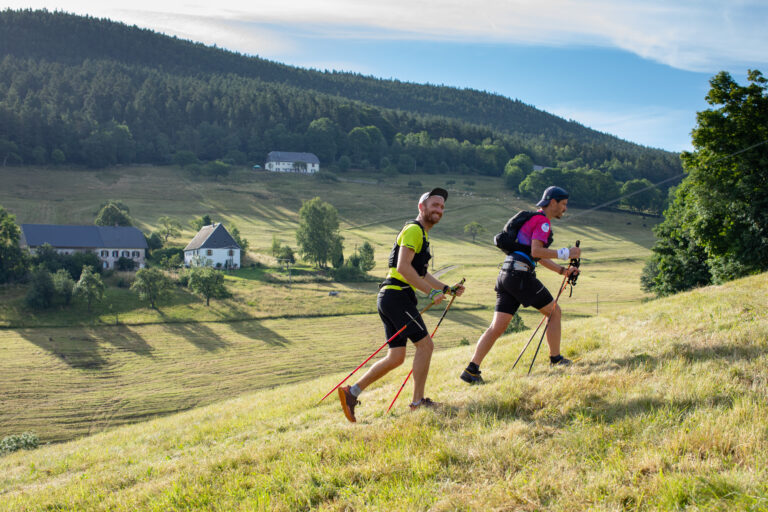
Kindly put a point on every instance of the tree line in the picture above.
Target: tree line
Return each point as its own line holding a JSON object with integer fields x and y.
{"x": 90, "y": 103}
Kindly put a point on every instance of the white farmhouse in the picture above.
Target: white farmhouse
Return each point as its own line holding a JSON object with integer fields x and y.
{"x": 284, "y": 161}
{"x": 213, "y": 246}
{"x": 109, "y": 243}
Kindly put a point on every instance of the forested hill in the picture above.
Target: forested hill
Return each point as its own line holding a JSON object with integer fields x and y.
{"x": 79, "y": 90}
{"x": 73, "y": 39}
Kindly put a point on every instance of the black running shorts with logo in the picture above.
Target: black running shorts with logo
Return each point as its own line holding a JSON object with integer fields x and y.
{"x": 516, "y": 288}
{"x": 392, "y": 306}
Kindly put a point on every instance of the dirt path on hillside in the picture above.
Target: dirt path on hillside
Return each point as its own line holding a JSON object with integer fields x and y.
{"x": 442, "y": 271}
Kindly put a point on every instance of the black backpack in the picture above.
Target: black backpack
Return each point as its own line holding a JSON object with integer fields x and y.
{"x": 507, "y": 239}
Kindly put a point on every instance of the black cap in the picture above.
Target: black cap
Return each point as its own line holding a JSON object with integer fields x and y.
{"x": 556, "y": 193}
{"x": 437, "y": 191}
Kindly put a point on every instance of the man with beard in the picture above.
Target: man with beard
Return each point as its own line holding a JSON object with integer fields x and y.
{"x": 517, "y": 283}
{"x": 396, "y": 303}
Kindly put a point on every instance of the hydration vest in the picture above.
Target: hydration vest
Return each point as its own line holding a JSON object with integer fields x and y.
{"x": 507, "y": 239}
{"x": 420, "y": 260}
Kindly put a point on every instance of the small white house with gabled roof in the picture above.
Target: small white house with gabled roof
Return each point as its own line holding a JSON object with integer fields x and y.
{"x": 286, "y": 161}
{"x": 213, "y": 246}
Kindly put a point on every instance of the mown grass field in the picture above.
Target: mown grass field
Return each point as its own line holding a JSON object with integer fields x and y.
{"x": 665, "y": 409}
{"x": 68, "y": 373}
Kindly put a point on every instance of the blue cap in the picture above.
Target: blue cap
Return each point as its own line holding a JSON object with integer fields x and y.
{"x": 556, "y": 193}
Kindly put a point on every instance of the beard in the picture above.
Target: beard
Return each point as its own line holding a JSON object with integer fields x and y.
{"x": 433, "y": 217}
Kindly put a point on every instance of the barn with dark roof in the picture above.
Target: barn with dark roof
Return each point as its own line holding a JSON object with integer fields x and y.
{"x": 109, "y": 243}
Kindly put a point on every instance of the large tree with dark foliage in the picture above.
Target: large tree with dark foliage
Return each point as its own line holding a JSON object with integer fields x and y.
{"x": 717, "y": 226}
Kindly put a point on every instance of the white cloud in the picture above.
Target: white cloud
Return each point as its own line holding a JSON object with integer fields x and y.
{"x": 696, "y": 35}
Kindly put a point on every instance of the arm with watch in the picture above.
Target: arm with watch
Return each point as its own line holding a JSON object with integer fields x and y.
{"x": 547, "y": 255}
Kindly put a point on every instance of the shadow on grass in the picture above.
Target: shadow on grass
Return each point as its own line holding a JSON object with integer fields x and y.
{"x": 198, "y": 334}
{"x": 256, "y": 331}
{"x": 477, "y": 319}
{"x": 86, "y": 349}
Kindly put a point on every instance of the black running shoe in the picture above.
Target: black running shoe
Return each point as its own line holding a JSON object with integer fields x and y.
{"x": 348, "y": 403}
{"x": 562, "y": 362}
{"x": 472, "y": 377}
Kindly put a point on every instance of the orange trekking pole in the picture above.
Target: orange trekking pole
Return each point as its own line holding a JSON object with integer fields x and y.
{"x": 432, "y": 336}
{"x": 377, "y": 351}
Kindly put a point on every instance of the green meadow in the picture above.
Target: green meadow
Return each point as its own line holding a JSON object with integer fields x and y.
{"x": 665, "y": 409}
{"x": 69, "y": 373}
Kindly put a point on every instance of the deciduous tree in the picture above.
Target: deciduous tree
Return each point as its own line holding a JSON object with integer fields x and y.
{"x": 112, "y": 215}
{"x": 64, "y": 285}
{"x": 473, "y": 229}
{"x": 208, "y": 282}
{"x": 318, "y": 231}
{"x": 152, "y": 285}
{"x": 168, "y": 227}
{"x": 717, "y": 225}
{"x": 90, "y": 287}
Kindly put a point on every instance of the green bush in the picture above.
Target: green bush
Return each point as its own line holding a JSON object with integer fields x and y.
{"x": 515, "y": 325}
{"x": 25, "y": 441}
{"x": 326, "y": 176}
{"x": 349, "y": 273}
{"x": 41, "y": 289}
{"x": 183, "y": 279}
{"x": 125, "y": 264}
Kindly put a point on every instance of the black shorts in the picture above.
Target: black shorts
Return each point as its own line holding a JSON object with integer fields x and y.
{"x": 516, "y": 288}
{"x": 393, "y": 306}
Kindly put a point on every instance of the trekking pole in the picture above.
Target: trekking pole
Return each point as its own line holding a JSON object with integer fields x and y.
{"x": 529, "y": 342}
{"x": 377, "y": 351}
{"x": 432, "y": 336}
{"x": 562, "y": 287}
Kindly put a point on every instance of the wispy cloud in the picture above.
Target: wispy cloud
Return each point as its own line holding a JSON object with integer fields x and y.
{"x": 696, "y": 35}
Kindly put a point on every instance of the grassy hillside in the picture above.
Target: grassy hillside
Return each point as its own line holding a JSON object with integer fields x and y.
{"x": 68, "y": 373}
{"x": 666, "y": 408}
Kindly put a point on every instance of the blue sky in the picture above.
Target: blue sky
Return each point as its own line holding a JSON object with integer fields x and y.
{"x": 638, "y": 70}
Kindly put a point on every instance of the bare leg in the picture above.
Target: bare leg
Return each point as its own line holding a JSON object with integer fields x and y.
{"x": 394, "y": 358}
{"x": 485, "y": 343}
{"x": 553, "y": 331}
{"x": 421, "y": 362}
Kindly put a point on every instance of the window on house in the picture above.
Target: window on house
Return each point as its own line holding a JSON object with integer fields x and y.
{"x": 104, "y": 254}
{"x": 209, "y": 252}
{"x": 106, "y": 263}
{"x": 115, "y": 254}
{"x": 231, "y": 252}
{"x": 135, "y": 254}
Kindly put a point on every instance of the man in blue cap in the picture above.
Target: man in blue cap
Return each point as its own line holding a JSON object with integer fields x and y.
{"x": 526, "y": 239}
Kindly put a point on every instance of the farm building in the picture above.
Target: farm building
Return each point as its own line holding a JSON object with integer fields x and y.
{"x": 284, "y": 161}
{"x": 109, "y": 243}
{"x": 213, "y": 246}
